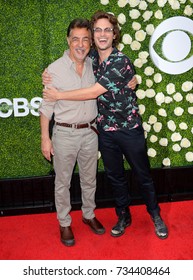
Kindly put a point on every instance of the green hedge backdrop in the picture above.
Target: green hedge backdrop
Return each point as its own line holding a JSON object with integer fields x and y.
{"x": 33, "y": 34}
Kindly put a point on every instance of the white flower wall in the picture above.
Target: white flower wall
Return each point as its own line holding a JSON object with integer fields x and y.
{"x": 165, "y": 101}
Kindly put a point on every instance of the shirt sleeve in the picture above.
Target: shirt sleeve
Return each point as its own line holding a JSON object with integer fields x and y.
{"x": 116, "y": 74}
{"x": 47, "y": 108}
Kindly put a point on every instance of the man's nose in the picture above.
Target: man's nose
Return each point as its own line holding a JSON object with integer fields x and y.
{"x": 102, "y": 32}
{"x": 80, "y": 43}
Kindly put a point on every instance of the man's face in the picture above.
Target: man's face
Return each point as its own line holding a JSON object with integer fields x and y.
{"x": 79, "y": 42}
{"x": 103, "y": 34}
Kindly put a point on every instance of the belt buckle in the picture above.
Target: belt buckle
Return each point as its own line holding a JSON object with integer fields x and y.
{"x": 74, "y": 125}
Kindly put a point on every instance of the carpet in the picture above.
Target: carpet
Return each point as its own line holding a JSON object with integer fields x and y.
{"x": 36, "y": 236}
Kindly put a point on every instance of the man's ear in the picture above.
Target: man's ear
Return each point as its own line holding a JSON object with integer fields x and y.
{"x": 68, "y": 40}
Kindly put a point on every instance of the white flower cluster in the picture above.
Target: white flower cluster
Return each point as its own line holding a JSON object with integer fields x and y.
{"x": 188, "y": 11}
{"x": 104, "y": 2}
{"x": 121, "y": 18}
{"x": 122, "y": 3}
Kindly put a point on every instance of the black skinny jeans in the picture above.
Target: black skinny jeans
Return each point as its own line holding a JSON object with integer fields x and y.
{"x": 130, "y": 143}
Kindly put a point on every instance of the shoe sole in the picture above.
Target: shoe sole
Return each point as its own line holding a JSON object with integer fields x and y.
{"x": 120, "y": 234}
{"x": 161, "y": 237}
{"x": 68, "y": 244}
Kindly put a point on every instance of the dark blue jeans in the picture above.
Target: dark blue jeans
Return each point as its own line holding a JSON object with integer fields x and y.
{"x": 130, "y": 143}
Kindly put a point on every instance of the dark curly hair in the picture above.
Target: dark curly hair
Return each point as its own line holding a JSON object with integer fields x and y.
{"x": 112, "y": 19}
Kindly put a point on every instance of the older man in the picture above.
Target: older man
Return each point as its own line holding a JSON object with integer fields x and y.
{"x": 74, "y": 133}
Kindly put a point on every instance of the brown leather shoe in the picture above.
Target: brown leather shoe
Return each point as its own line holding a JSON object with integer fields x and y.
{"x": 95, "y": 225}
{"x": 67, "y": 236}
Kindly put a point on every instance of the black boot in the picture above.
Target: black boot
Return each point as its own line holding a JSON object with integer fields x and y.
{"x": 160, "y": 227}
{"x": 124, "y": 220}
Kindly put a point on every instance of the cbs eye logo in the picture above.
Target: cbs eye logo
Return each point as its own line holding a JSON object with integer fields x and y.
{"x": 175, "y": 36}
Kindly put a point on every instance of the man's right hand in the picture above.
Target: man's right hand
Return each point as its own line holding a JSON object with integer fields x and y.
{"x": 47, "y": 149}
{"x": 46, "y": 78}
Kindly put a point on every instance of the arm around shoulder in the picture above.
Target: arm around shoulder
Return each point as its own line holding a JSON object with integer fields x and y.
{"x": 50, "y": 93}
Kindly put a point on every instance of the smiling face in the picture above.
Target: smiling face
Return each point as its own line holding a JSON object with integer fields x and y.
{"x": 103, "y": 34}
{"x": 79, "y": 41}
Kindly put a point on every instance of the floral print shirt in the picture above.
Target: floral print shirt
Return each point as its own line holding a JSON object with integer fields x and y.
{"x": 117, "y": 107}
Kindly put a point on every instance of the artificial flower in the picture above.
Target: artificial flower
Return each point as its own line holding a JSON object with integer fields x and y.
{"x": 138, "y": 63}
{"x": 189, "y": 156}
{"x": 149, "y": 71}
{"x": 121, "y": 18}
{"x": 161, "y": 3}
{"x": 153, "y": 138}
{"x": 171, "y": 125}
{"x": 190, "y": 110}
{"x": 178, "y": 97}
{"x": 187, "y": 86}
{"x": 140, "y": 35}
{"x": 157, "y": 126}
{"x": 146, "y": 127}
{"x": 141, "y": 109}
{"x": 143, "y": 5}
{"x": 166, "y": 162}
{"x": 136, "y": 25}
{"x": 150, "y": 92}
{"x": 104, "y": 2}
{"x": 178, "y": 111}
{"x": 160, "y": 98}
{"x": 170, "y": 88}
{"x": 134, "y": 14}
{"x": 150, "y": 29}
{"x": 143, "y": 55}
{"x": 139, "y": 79}
{"x": 134, "y": 3}
{"x": 176, "y": 147}
{"x": 183, "y": 126}
{"x": 140, "y": 93}
{"x": 122, "y": 3}
{"x": 176, "y": 136}
{"x": 151, "y": 152}
{"x": 168, "y": 99}
{"x": 120, "y": 47}
{"x": 145, "y": 134}
{"x": 126, "y": 39}
{"x": 188, "y": 11}
{"x": 185, "y": 143}
{"x": 149, "y": 83}
{"x": 157, "y": 78}
{"x": 175, "y": 5}
{"x": 189, "y": 97}
{"x": 147, "y": 15}
{"x": 135, "y": 45}
{"x": 162, "y": 112}
{"x": 163, "y": 142}
{"x": 152, "y": 119}
{"x": 158, "y": 14}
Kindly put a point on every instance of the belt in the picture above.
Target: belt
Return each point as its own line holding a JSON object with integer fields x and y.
{"x": 78, "y": 126}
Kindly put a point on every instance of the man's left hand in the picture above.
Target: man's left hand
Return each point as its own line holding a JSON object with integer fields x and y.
{"x": 133, "y": 83}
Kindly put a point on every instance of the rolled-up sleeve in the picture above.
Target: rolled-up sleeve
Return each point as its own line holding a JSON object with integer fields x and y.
{"x": 47, "y": 108}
